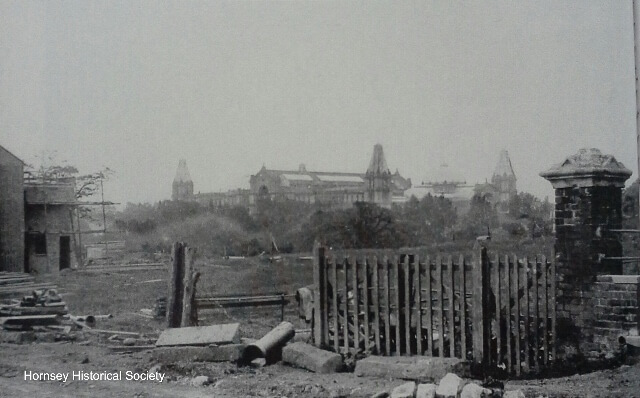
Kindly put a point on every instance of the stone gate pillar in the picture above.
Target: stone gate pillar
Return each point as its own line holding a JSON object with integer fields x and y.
{"x": 588, "y": 201}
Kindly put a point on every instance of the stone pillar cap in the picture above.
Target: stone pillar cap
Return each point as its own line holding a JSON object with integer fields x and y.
{"x": 587, "y": 168}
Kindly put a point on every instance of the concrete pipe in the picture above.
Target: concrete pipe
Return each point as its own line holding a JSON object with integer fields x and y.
{"x": 270, "y": 345}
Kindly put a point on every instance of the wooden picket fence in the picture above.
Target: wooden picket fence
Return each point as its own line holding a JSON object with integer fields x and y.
{"x": 438, "y": 306}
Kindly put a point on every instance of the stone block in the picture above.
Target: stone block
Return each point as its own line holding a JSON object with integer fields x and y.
{"x": 472, "y": 390}
{"x": 426, "y": 390}
{"x": 450, "y": 386}
{"x": 200, "y": 335}
{"x": 406, "y": 390}
{"x": 222, "y": 353}
{"x": 421, "y": 369}
{"x": 308, "y": 357}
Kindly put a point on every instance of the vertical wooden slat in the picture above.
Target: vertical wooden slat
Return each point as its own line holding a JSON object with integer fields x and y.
{"x": 353, "y": 264}
{"x": 334, "y": 299}
{"x": 418, "y": 303}
{"x": 319, "y": 287}
{"x": 527, "y": 317}
{"x": 516, "y": 297}
{"x": 387, "y": 303}
{"x": 407, "y": 306}
{"x": 507, "y": 289}
{"x": 428, "y": 305}
{"x": 396, "y": 301}
{"x": 534, "y": 297}
{"x": 463, "y": 309}
{"x": 365, "y": 302}
{"x": 545, "y": 313}
{"x": 440, "y": 286}
{"x": 325, "y": 304}
{"x": 553, "y": 300}
{"x": 498, "y": 320}
{"x": 375, "y": 298}
{"x": 452, "y": 308}
{"x": 345, "y": 305}
{"x": 481, "y": 310}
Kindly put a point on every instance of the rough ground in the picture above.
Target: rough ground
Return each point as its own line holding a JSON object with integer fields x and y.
{"x": 123, "y": 295}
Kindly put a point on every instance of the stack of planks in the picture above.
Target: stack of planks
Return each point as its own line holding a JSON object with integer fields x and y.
{"x": 14, "y": 284}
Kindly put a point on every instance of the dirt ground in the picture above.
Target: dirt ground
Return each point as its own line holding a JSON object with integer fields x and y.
{"x": 124, "y": 294}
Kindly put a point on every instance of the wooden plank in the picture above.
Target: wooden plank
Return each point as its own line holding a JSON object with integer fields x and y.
{"x": 200, "y": 335}
{"x": 387, "y": 303}
{"x": 428, "y": 305}
{"x": 508, "y": 311}
{"x": 174, "y": 301}
{"x": 516, "y": 298}
{"x": 553, "y": 298}
{"x": 407, "y": 306}
{"x": 527, "y": 318}
{"x": 481, "y": 310}
{"x": 536, "y": 319}
{"x": 452, "y": 308}
{"x": 498, "y": 320}
{"x": 544, "y": 268}
{"x": 334, "y": 304}
{"x": 463, "y": 308}
{"x": 418, "y": 303}
{"x": 353, "y": 264}
{"x": 325, "y": 301}
{"x": 440, "y": 285}
{"x": 189, "y": 282}
{"x": 318, "y": 263}
{"x": 345, "y": 305}
{"x": 365, "y": 302}
{"x": 396, "y": 301}
{"x": 375, "y": 298}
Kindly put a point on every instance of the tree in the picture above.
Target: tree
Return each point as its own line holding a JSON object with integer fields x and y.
{"x": 480, "y": 218}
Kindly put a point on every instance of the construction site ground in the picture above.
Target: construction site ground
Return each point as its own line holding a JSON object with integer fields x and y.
{"x": 124, "y": 294}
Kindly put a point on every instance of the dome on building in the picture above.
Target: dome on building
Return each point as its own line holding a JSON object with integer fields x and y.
{"x": 444, "y": 174}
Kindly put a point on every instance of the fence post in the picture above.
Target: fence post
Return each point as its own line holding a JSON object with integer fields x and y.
{"x": 482, "y": 316}
{"x": 174, "y": 301}
{"x": 189, "y": 308}
{"x": 319, "y": 293}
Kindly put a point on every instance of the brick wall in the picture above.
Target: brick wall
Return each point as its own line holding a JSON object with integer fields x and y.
{"x": 615, "y": 300}
{"x": 579, "y": 212}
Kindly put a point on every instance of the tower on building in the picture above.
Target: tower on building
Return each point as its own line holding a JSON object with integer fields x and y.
{"x": 182, "y": 184}
{"x": 378, "y": 179}
{"x": 504, "y": 179}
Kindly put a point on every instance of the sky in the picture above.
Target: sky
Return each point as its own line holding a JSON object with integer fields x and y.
{"x": 231, "y": 86}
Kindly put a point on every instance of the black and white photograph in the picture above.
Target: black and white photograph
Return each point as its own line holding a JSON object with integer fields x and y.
{"x": 320, "y": 198}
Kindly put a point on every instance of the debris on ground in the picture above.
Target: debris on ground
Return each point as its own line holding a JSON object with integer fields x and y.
{"x": 271, "y": 344}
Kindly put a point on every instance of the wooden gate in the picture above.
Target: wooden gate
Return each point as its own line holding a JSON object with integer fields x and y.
{"x": 437, "y": 306}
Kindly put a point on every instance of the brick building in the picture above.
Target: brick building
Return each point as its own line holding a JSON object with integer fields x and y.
{"x": 36, "y": 228}
{"x": 11, "y": 212}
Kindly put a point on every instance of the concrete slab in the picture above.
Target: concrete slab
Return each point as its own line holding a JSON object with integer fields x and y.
{"x": 421, "y": 369}
{"x": 311, "y": 358}
{"x": 200, "y": 335}
{"x": 222, "y": 353}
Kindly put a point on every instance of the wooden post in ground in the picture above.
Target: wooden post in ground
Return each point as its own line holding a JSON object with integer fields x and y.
{"x": 174, "y": 300}
{"x": 482, "y": 316}
{"x": 189, "y": 289}
{"x": 319, "y": 296}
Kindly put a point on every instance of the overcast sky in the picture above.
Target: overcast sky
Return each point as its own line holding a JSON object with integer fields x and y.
{"x": 230, "y": 86}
